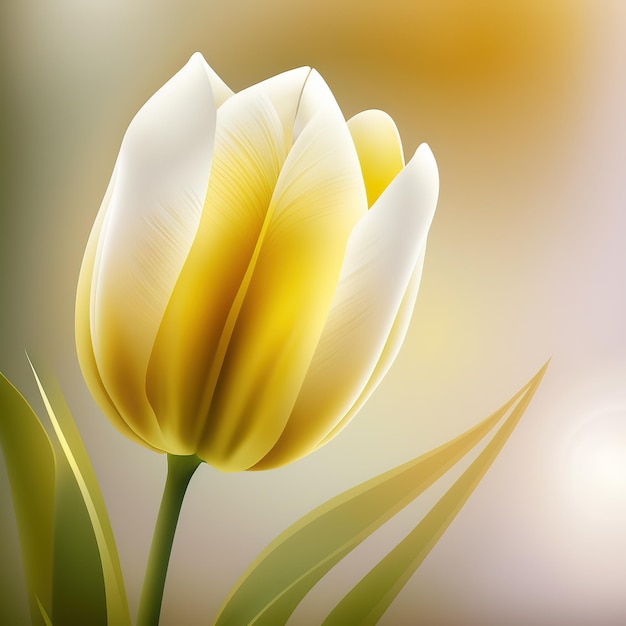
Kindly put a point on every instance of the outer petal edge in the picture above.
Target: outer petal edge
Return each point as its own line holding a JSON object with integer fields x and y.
{"x": 383, "y": 252}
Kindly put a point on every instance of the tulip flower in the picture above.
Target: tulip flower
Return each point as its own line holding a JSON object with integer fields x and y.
{"x": 253, "y": 268}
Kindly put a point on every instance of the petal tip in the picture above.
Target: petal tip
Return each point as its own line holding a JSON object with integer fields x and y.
{"x": 425, "y": 153}
{"x": 198, "y": 62}
{"x": 197, "y": 57}
{"x": 219, "y": 90}
{"x": 424, "y": 163}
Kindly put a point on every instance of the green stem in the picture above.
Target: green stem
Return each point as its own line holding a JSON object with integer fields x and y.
{"x": 180, "y": 469}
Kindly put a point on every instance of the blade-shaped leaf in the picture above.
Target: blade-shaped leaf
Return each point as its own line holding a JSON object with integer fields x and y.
{"x": 77, "y": 582}
{"x": 78, "y": 460}
{"x": 275, "y": 583}
{"x": 29, "y": 459}
{"x": 44, "y": 614}
{"x": 371, "y": 597}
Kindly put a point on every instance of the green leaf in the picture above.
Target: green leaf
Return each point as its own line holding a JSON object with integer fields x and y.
{"x": 80, "y": 465}
{"x": 44, "y": 615}
{"x": 29, "y": 458}
{"x": 371, "y": 597}
{"x": 275, "y": 583}
{"x": 78, "y": 595}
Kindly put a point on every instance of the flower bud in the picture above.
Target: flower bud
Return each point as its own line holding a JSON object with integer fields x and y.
{"x": 253, "y": 268}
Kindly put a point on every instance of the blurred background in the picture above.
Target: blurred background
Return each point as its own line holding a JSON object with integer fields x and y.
{"x": 522, "y": 103}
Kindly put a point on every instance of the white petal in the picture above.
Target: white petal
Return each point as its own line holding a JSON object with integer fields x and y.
{"x": 284, "y": 92}
{"x": 84, "y": 344}
{"x": 298, "y": 96}
{"x": 383, "y": 251}
{"x": 390, "y": 351}
{"x": 316, "y": 99}
{"x": 221, "y": 91}
{"x": 162, "y": 177}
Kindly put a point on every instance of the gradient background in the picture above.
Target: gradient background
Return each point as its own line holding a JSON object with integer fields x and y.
{"x": 522, "y": 103}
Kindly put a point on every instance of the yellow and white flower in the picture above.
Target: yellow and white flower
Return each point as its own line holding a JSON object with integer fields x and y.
{"x": 253, "y": 268}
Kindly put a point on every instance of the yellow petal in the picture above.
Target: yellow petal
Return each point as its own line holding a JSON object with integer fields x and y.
{"x": 191, "y": 342}
{"x": 161, "y": 180}
{"x": 318, "y": 199}
{"x": 379, "y": 148}
{"x": 383, "y": 252}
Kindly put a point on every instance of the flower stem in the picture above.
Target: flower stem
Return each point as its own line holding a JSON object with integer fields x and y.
{"x": 180, "y": 469}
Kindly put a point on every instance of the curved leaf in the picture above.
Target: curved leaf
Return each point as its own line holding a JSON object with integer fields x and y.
{"x": 77, "y": 581}
{"x": 44, "y": 614}
{"x": 291, "y": 565}
{"x": 78, "y": 460}
{"x": 29, "y": 459}
{"x": 371, "y": 597}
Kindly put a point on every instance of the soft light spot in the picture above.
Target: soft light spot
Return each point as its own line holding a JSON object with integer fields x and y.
{"x": 597, "y": 465}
